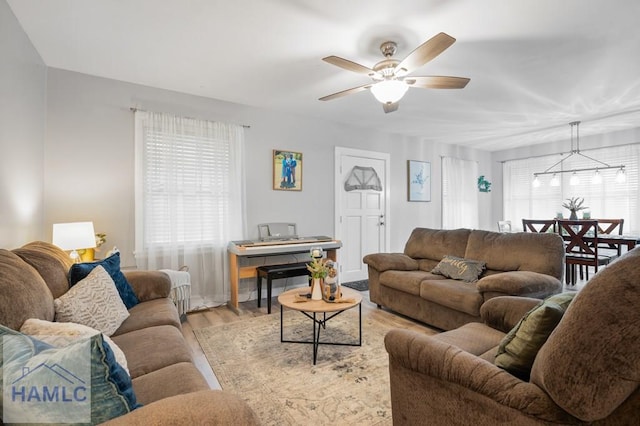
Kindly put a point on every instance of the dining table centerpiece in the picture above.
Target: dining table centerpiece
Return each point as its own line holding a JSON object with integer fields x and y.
{"x": 574, "y": 205}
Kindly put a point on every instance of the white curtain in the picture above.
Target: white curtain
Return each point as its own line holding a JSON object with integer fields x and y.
{"x": 459, "y": 193}
{"x": 189, "y": 199}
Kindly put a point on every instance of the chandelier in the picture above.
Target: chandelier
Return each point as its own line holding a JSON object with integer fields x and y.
{"x": 575, "y": 179}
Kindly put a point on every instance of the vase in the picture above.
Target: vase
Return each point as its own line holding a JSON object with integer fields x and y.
{"x": 574, "y": 215}
{"x": 88, "y": 255}
{"x": 316, "y": 289}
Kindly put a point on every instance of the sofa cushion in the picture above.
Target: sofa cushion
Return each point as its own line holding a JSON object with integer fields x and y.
{"x": 519, "y": 251}
{"x": 184, "y": 377}
{"x": 590, "y": 373}
{"x": 87, "y": 363}
{"x": 457, "y": 295}
{"x": 434, "y": 244}
{"x": 94, "y": 302}
{"x": 153, "y": 348}
{"x": 51, "y": 262}
{"x": 112, "y": 265}
{"x": 59, "y": 334}
{"x": 520, "y": 346}
{"x": 474, "y": 337}
{"x": 407, "y": 281}
{"x": 23, "y": 292}
{"x": 149, "y": 314}
{"x": 457, "y": 268}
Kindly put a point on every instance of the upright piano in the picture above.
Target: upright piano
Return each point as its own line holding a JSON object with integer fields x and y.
{"x": 270, "y": 247}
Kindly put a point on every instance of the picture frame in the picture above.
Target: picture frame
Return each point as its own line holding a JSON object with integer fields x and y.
{"x": 418, "y": 180}
{"x": 287, "y": 170}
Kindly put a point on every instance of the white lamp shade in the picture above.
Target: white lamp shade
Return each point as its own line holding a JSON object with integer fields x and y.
{"x": 575, "y": 179}
{"x": 389, "y": 91}
{"x": 621, "y": 176}
{"x": 555, "y": 180}
{"x": 596, "y": 178}
{"x": 74, "y": 235}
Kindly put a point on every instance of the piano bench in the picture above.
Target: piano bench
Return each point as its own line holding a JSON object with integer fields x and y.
{"x": 274, "y": 272}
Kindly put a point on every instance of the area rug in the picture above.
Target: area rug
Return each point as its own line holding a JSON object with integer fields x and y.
{"x": 348, "y": 385}
{"x": 362, "y": 285}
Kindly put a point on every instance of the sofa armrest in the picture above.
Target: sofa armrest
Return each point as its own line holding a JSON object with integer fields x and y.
{"x": 207, "y": 407}
{"x": 520, "y": 283}
{"x": 504, "y": 312}
{"x": 429, "y": 378}
{"x": 390, "y": 261}
{"x": 149, "y": 285}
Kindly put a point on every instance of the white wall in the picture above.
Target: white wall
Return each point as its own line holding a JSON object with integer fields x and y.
{"x": 89, "y": 161}
{"x": 22, "y": 121}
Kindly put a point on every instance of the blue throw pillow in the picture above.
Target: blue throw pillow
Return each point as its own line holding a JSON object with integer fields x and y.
{"x": 78, "y": 383}
{"x": 111, "y": 264}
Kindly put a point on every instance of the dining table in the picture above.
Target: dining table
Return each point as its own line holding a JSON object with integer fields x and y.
{"x": 617, "y": 240}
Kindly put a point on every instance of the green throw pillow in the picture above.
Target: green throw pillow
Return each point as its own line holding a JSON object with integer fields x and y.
{"x": 519, "y": 347}
{"x": 458, "y": 268}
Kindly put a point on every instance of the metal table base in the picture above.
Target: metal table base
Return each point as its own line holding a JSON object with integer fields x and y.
{"x": 319, "y": 324}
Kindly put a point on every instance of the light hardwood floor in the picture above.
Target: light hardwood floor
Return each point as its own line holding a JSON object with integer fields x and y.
{"x": 222, "y": 315}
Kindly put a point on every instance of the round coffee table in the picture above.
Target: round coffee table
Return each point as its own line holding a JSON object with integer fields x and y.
{"x": 312, "y": 308}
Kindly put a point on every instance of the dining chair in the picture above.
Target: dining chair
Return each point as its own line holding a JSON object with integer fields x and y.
{"x": 581, "y": 246}
{"x": 504, "y": 226}
{"x": 539, "y": 225}
{"x": 610, "y": 226}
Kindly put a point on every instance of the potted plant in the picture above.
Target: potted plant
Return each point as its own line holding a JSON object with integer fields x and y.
{"x": 574, "y": 205}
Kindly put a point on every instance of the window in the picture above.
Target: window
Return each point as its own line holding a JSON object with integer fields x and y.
{"x": 608, "y": 199}
{"x": 189, "y": 198}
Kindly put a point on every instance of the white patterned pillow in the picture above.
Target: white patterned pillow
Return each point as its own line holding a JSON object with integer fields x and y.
{"x": 94, "y": 302}
{"x": 60, "y": 334}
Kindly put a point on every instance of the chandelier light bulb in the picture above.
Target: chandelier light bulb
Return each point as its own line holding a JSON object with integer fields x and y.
{"x": 389, "y": 91}
{"x": 621, "y": 176}
{"x": 555, "y": 180}
{"x": 575, "y": 180}
{"x": 536, "y": 182}
{"x": 597, "y": 178}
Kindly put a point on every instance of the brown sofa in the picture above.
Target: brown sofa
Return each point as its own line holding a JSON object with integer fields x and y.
{"x": 164, "y": 377}
{"x": 587, "y": 372}
{"x": 518, "y": 264}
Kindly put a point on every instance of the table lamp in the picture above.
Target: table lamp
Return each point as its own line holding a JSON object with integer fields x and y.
{"x": 73, "y": 236}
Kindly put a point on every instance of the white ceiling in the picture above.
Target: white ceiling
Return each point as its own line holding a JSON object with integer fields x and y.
{"x": 535, "y": 65}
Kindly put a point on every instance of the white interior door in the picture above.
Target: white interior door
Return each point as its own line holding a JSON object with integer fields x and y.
{"x": 362, "y": 215}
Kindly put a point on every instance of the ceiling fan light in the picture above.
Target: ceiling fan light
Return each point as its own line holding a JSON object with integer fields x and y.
{"x": 597, "y": 178}
{"x": 389, "y": 91}
{"x": 621, "y": 176}
{"x": 575, "y": 179}
{"x": 555, "y": 180}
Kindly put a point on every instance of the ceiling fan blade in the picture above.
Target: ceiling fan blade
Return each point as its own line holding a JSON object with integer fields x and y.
{"x": 437, "y": 82}
{"x": 345, "y": 92}
{"x": 424, "y": 53}
{"x": 390, "y": 107}
{"x": 349, "y": 65}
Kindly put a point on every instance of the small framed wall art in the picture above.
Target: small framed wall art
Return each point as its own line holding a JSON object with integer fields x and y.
{"x": 419, "y": 180}
{"x": 287, "y": 170}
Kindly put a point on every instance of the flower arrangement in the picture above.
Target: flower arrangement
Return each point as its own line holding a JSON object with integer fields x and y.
{"x": 318, "y": 267}
{"x": 100, "y": 239}
{"x": 574, "y": 204}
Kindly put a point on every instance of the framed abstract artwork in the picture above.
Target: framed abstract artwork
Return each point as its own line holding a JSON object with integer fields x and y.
{"x": 287, "y": 170}
{"x": 419, "y": 180}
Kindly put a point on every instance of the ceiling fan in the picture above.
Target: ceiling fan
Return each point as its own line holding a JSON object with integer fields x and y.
{"x": 390, "y": 76}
